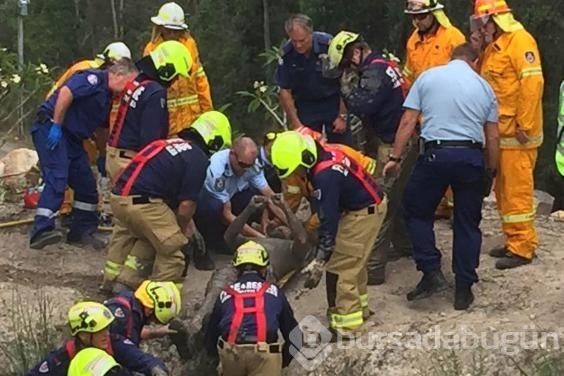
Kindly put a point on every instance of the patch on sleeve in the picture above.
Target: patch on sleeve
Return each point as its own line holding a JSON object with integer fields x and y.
{"x": 119, "y": 313}
{"x": 163, "y": 103}
{"x": 93, "y": 79}
{"x": 127, "y": 341}
{"x": 316, "y": 194}
{"x": 44, "y": 368}
{"x": 219, "y": 184}
{"x": 530, "y": 57}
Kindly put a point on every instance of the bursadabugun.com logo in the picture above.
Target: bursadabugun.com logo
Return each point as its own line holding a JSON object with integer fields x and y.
{"x": 315, "y": 345}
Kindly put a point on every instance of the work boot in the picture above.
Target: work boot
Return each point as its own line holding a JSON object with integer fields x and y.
{"x": 180, "y": 339}
{"x": 432, "y": 282}
{"x": 87, "y": 240}
{"x": 106, "y": 287}
{"x": 510, "y": 261}
{"x": 377, "y": 276}
{"x": 46, "y": 238}
{"x": 367, "y": 313}
{"x": 498, "y": 252}
{"x": 463, "y": 297}
{"x": 396, "y": 254}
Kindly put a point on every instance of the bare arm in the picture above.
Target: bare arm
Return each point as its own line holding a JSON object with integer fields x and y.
{"x": 186, "y": 210}
{"x": 405, "y": 131}
{"x": 492, "y": 145}
{"x": 64, "y": 101}
{"x": 287, "y": 102}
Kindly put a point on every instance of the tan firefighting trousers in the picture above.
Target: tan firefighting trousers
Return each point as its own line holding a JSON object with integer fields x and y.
{"x": 249, "y": 360}
{"x": 120, "y": 243}
{"x": 514, "y": 193}
{"x": 355, "y": 237}
{"x": 152, "y": 234}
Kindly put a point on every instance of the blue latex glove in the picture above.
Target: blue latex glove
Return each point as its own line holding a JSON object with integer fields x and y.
{"x": 101, "y": 164}
{"x": 55, "y": 135}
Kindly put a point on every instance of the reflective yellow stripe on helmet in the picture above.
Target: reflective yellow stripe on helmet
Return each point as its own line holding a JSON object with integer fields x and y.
{"x": 351, "y": 320}
{"x": 179, "y": 102}
{"x": 518, "y": 218}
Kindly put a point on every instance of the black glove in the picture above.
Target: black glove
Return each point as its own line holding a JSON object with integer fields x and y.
{"x": 489, "y": 175}
{"x": 158, "y": 371}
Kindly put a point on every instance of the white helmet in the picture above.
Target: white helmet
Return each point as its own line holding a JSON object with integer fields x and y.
{"x": 171, "y": 16}
{"x": 115, "y": 51}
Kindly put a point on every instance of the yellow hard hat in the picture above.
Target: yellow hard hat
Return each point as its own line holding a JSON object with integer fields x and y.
{"x": 490, "y": 7}
{"x": 171, "y": 59}
{"x": 91, "y": 361}
{"x": 290, "y": 150}
{"x": 162, "y": 297}
{"x": 89, "y": 317}
{"x": 422, "y": 6}
{"x": 251, "y": 253}
{"x": 338, "y": 45}
{"x": 171, "y": 16}
{"x": 115, "y": 51}
{"x": 215, "y": 129}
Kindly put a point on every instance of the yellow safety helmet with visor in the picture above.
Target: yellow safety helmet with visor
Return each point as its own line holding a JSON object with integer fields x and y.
{"x": 215, "y": 129}
{"x": 162, "y": 297}
{"x": 251, "y": 253}
{"x": 91, "y": 361}
{"x": 89, "y": 317}
{"x": 338, "y": 45}
{"x": 291, "y": 150}
{"x": 171, "y": 59}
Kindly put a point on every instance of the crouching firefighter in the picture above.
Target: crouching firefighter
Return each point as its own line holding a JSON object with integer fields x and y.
{"x": 89, "y": 323}
{"x": 248, "y": 315}
{"x": 154, "y": 198}
{"x": 95, "y": 362}
{"x": 351, "y": 208}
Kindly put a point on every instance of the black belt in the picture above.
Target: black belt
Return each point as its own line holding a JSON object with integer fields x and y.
{"x": 271, "y": 348}
{"x": 453, "y": 145}
{"x": 138, "y": 200}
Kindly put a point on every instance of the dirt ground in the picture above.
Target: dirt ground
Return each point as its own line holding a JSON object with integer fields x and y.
{"x": 505, "y": 300}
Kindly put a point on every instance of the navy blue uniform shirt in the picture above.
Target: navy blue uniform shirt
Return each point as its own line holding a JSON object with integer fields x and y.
{"x": 128, "y": 316}
{"x": 147, "y": 116}
{"x": 316, "y": 98}
{"x": 334, "y": 191}
{"x": 378, "y": 98}
{"x": 129, "y": 356}
{"x": 177, "y": 173}
{"x": 91, "y": 104}
{"x": 279, "y": 316}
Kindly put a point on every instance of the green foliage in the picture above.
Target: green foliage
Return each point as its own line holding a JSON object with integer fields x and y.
{"x": 34, "y": 335}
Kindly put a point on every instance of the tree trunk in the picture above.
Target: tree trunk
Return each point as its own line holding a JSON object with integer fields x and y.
{"x": 266, "y": 25}
{"x": 121, "y": 26}
{"x": 114, "y": 18}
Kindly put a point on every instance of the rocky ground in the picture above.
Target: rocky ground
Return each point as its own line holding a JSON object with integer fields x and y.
{"x": 526, "y": 299}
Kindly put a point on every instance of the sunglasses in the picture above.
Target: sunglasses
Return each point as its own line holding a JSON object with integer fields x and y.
{"x": 242, "y": 164}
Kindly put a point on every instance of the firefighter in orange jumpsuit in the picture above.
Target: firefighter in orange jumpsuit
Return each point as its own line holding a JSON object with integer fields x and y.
{"x": 188, "y": 97}
{"x": 430, "y": 45}
{"x": 511, "y": 63}
{"x": 113, "y": 51}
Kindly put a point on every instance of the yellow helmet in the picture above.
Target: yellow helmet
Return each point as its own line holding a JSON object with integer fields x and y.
{"x": 91, "y": 361}
{"x": 251, "y": 253}
{"x": 170, "y": 16}
{"x": 115, "y": 51}
{"x": 422, "y": 6}
{"x": 89, "y": 317}
{"x": 162, "y": 297}
{"x": 215, "y": 129}
{"x": 290, "y": 150}
{"x": 171, "y": 59}
{"x": 338, "y": 45}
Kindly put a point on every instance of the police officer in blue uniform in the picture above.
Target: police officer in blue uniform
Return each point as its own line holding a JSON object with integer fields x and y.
{"x": 143, "y": 115}
{"x": 247, "y": 317}
{"x": 89, "y": 322}
{"x": 69, "y": 116}
{"x": 233, "y": 177}
{"x": 351, "y": 207}
{"x": 455, "y": 118}
{"x": 377, "y": 97}
{"x": 308, "y": 98}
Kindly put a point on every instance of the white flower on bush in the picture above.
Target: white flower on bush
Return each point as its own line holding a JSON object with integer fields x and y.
{"x": 4, "y": 84}
{"x": 42, "y": 69}
{"x": 16, "y": 79}
{"x": 256, "y": 85}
